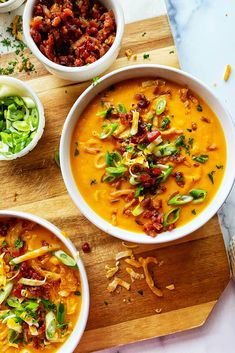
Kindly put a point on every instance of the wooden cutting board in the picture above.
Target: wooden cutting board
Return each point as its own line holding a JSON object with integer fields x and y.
{"x": 197, "y": 265}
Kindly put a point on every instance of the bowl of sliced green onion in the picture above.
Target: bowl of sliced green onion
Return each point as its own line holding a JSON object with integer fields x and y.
{"x": 9, "y": 5}
{"x": 22, "y": 118}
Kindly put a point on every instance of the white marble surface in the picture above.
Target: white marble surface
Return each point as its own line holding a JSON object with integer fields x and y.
{"x": 205, "y": 42}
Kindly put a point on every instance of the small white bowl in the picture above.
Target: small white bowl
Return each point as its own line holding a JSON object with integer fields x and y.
{"x": 22, "y": 89}
{"x": 10, "y": 5}
{"x": 86, "y": 72}
{"x": 79, "y": 328}
{"x": 167, "y": 73}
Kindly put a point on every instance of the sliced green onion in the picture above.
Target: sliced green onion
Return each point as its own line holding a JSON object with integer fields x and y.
{"x": 121, "y": 108}
{"x": 203, "y": 158}
{"x": 108, "y": 130}
{"x": 180, "y": 200}
{"x": 165, "y": 122}
{"x": 5, "y": 292}
{"x": 60, "y": 313}
{"x": 12, "y": 336}
{"x": 171, "y": 217}
{"x": 64, "y": 258}
{"x": 50, "y": 325}
{"x": 116, "y": 171}
{"x": 112, "y": 158}
{"x": 179, "y": 141}
{"x": 29, "y": 102}
{"x": 105, "y": 113}
{"x": 161, "y": 106}
{"x": 165, "y": 150}
{"x": 165, "y": 174}
{"x": 198, "y": 195}
{"x": 138, "y": 210}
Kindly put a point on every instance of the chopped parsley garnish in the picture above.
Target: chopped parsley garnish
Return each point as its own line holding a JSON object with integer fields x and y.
{"x": 144, "y": 34}
{"x": 146, "y": 56}
{"x": 210, "y": 175}
{"x": 194, "y": 212}
{"x": 95, "y": 80}
{"x": 93, "y": 181}
{"x": 199, "y": 108}
{"x": 77, "y": 293}
{"x": 189, "y": 130}
{"x": 180, "y": 141}
{"x": 149, "y": 126}
{"x": 220, "y": 166}
{"x": 19, "y": 243}
{"x": 171, "y": 52}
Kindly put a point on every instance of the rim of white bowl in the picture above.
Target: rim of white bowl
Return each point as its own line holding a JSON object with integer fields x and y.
{"x": 120, "y": 23}
{"x": 25, "y": 89}
{"x": 7, "y": 3}
{"x": 74, "y": 339}
{"x": 179, "y": 232}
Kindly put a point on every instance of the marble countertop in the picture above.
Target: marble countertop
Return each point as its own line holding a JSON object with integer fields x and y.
{"x": 203, "y": 32}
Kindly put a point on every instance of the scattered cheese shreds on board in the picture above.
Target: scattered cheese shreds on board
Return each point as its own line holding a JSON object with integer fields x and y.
{"x": 227, "y": 72}
{"x": 149, "y": 280}
{"x": 123, "y": 254}
{"x": 111, "y": 271}
{"x": 118, "y": 282}
{"x": 134, "y": 275}
{"x": 133, "y": 262}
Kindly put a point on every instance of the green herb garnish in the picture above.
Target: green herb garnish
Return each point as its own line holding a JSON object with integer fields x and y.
{"x": 210, "y": 175}
{"x": 194, "y": 212}
{"x": 93, "y": 181}
{"x": 19, "y": 243}
{"x": 146, "y": 56}
{"x": 95, "y": 80}
{"x": 199, "y": 108}
{"x": 203, "y": 158}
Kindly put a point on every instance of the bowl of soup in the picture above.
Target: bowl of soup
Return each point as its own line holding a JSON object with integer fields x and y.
{"x": 147, "y": 154}
{"x": 44, "y": 293}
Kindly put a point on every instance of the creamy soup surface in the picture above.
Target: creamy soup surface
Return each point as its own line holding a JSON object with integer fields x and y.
{"x": 40, "y": 290}
{"x": 148, "y": 155}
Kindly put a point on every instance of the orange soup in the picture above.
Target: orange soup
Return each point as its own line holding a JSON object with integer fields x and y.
{"x": 148, "y": 155}
{"x": 40, "y": 291}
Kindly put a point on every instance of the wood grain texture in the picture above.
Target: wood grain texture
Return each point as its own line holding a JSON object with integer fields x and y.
{"x": 197, "y": 265}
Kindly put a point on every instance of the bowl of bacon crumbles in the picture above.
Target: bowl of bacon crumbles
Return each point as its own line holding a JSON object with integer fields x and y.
{"x": 75, "y": 40}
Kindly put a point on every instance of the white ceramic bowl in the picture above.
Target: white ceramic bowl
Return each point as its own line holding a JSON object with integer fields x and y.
{"x": 10, "y": 5}
{"x": 23, "y": 89}
{"x": 149, "y": 71}
{"x": 82, "y": 73}
{"x": 79, "y": 328}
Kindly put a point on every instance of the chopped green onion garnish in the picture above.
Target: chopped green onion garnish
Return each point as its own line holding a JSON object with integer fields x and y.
{"x": 201, "y": 159}
{"x": 165, "y": 122}
{"x": 198, "y": 195}
{"x": 180, "y": 200}
{"x": 171, "y": 217}
{"x": 161, "y": 106}
{"x": 5, "y": 292}
{"x": 50, "y": 325}
{"x": 65, "y": 258}
{"x": 108, "y": 130}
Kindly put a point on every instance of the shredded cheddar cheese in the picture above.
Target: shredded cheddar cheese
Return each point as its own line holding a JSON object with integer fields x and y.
{"x": 227, "y": 72}
{"x": 118, "y": 282}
